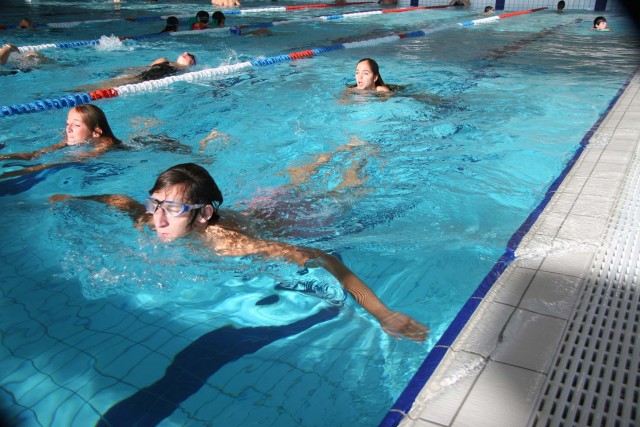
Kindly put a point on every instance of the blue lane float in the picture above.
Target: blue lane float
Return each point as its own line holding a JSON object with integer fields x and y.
{"x": 45, "y": 104}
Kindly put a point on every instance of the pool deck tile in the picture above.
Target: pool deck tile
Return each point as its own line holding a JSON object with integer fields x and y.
{"x": 493, "y": 373}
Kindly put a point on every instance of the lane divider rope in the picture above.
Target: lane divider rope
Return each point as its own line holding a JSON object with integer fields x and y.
{"x": 233, "y": 30}
{"x": 141, "y": 19}
{"x": 212, "y": 73}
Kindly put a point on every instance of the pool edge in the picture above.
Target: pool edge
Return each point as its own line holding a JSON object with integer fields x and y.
{"x": 418, "y": 396}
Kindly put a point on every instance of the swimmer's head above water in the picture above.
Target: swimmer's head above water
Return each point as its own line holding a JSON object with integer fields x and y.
{"x": 86, "y": 122}
{"x": 172, "y": 25}
{"x": 184, "y": 198}
{"x": 368, "y": 76}
{"x": 186, "y": 59}
{"x": 600, "y": 24}
{"x": 25, "y": 23}
{"x": 217, "y": 19}
{"x": 202, "y": 16}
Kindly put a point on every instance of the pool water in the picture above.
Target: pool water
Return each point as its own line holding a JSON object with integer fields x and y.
{"x": 99, "y": 319}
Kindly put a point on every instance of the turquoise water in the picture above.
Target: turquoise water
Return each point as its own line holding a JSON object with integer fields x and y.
{"x": 93, "y": 311}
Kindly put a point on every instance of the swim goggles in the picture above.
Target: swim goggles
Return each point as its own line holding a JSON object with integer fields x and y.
{"x": 170, "y": 208}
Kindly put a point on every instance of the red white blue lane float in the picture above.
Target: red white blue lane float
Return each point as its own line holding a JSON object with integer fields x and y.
{"x": 219, "y": 72}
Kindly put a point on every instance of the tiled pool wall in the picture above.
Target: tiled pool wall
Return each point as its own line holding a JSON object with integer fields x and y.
{"x": 600, "y": 5}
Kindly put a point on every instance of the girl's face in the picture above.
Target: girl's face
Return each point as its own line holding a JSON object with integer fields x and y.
{"x": 77, "y": 130}
{"x": 602, "y": 25}
{"x": 365, "y": 79}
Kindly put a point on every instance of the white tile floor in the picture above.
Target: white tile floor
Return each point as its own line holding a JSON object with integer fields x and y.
{"x": 494, "y": 372}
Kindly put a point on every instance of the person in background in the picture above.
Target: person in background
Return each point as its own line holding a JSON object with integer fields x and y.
{"x": 225, "y": 3}
{"x": 184, "y": 202}
{"x": 86, "y": 124}
{"x": 560, "y": 6}
{"x": 22, "y": 61}
{"x": 600, "y": 24}
{"x": 26, "y": 23}
{"x": 368, "y": 76}
{"x": 202, "y": 21}
{"x": 184, "y": 61}
{"x": 460, "y": 3}
{"x": 217, "y": 19}
{"x": 489, "y": 10}
{"x": 232, "y": 3}
{"x": 172, "y": 25}
{"x": 158, "y": 69}
{"x": 6, "y": 51}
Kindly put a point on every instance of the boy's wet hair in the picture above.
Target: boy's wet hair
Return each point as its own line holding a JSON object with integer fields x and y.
{"x": 599, "y": 20}
{"x": 199, "y": 187}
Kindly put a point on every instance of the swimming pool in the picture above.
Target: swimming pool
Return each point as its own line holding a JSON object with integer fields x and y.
{"x": 95, "y": 314}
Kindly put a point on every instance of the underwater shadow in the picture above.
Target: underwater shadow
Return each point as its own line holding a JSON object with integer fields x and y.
{"x": 192, "y": 366}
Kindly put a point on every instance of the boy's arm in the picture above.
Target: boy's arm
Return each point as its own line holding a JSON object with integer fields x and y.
{"x": 394, "y": 323}
{"x": 135, "y": 209}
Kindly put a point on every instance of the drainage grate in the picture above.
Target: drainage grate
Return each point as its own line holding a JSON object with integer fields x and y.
{"x": 596, "y": 374}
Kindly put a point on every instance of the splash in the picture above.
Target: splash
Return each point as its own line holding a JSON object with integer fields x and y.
{"x": 110, "y": 43}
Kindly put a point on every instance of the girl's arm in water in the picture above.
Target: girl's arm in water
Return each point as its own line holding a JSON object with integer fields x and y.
{"x": 99, "y": 148}
{"x": 34, "y": 154}
{"x": 31, "y": 156}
